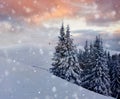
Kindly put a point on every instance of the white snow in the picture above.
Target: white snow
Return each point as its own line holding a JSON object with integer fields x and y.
{"x": 54, "y": 89}
{"x": 19, "y": 80}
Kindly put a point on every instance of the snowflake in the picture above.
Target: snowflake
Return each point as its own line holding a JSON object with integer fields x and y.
{"x": 19, "y": 2}
{"x": 1, "y": 6}
{"x": 97, "y": 16}
{"x": 53, "y": 77}
{"x": 47, "y": 97}
{"x": 33, "y": 53}
{"x": 54, "y": 89}
{"x": 13, "y": 69}
{"x": 55, "y": 95}
{"x": 39, "y": 92}
{"x": 75, "y": 96}
{"x": 28, "y": 10}
{"x": 12, "y": 29}
{"x": 13, "y": 11}
{"x": 66, "y": 91}
{"x": 35, "y": 1}
{"x": 83, "y": 95}
{"x": 6, "y": 72}
{"x": 0, "y": 80}
{"x": 41, "y": 51}
{"x": 66, "y": 97}
{"x": 107, "y": 45}
{"x": 80, "y": 88}
{"x": 36, "y": 98}
{"x": 34, "y": 71}
{"x": 113, "y": 13}
{"x": 53, "y": 9}
{"x": 18, "y": 82}
{"x": 14, "y": 61}
{"x": 19, "y": 41}
{"x": 119, "y": 43}
{"x": 9, "y": 60}
{"x": 9, "y": 18}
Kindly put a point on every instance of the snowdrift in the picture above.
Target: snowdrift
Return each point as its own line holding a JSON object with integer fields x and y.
{"x": 19, "y": 80}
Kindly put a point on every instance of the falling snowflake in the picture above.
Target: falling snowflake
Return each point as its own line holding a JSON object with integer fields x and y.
{"x": 41, "y": 51}
{"x": 13, "y": 69}
{"x": 14, "y": 61}
{"x": 36, "y": 98}
{"x": 19, "y": 41}
{"x": 6, "y": 72}
{"x": 35, "y": 2}
{"x": 13, "y": 11}
{"x": 54, "y": 89}
{"x": 18, "y": 82}
{"x": 97, "y": 16}
{"x": 75, "y": 96}
{"x": 28, "y": 10}
{"x": 119, "y": 43}
{"x": 39, "y": 92}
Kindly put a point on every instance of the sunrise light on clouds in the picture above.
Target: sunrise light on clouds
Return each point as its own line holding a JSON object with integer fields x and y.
{"x": 43, "y": 18}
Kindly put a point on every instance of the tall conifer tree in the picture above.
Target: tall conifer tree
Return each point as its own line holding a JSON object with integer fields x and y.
{"x": 73, "y": 69}
{"x": 59, "y": 55}
{"x": 65, "y": 63}
{"x": 115, "y": 78}
{"x": 96, "y": 77}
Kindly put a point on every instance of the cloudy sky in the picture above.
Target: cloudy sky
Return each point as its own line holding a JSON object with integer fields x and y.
{"x": 38, "y": 21}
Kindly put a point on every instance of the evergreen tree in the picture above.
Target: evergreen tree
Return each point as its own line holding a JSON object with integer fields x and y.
{"x": 109, "y": 63}
{"x": 96, "y": 77}
{"x": 73, "y": 70}
{"x": 65, "y": 63}
{"x": 119, "y": 58}
{"x": 115, "y": 78}
{"x": 80, "y": 58}
{"x": 84, "y": 61}
{"x": 59, "y": 56}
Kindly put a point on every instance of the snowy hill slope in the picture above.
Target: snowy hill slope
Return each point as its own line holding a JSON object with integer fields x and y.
{"x": 29, "y": 55}
{"x": 19, "y": 80}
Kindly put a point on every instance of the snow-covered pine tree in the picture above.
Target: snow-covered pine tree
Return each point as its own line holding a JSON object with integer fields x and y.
{"x": 96, "y": 76}
{"x": 109, "y": 63}
{"x": 87, "y": 72}
{"x": 65, "y": 63}
{"x": 59, "y": 57}
{"x": 89, "y": 65}
{"x": 72, "y": 66}
{"x": 80, "y": 58}
{"x": 85, "y": 56}
{"x": 115, "y": 79}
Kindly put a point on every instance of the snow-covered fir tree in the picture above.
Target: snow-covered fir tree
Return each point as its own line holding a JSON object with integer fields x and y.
{"x": 115, "y": 78}
{"x": 73, "y": 69}
{"x": 95, "y": 77}
{"x": 87, "y": 71}
{"x": 109, "y": 63}
{"x": 65, "y": 63}
{"x": 93, "y": 68}
{"x": 80, "y": 58}
{"x": 84, "y": 62}
{"x": 59, "y": 56}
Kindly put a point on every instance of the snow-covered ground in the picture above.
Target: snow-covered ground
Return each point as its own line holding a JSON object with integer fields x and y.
{"x": 19, "y": 80}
